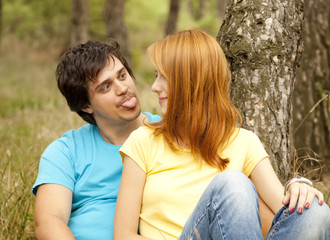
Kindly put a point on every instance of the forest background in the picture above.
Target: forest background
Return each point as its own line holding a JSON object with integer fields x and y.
{"x": 35, "y": 33}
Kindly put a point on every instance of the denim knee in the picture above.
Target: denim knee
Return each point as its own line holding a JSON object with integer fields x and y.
{"x": 234, "y": 186}
{"x": 319, "y": 218}
{"x": 232, "y": 180}
{"x": 313, "y": 223}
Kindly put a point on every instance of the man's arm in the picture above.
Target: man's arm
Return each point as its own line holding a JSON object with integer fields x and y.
{"x": 52, "y": 212}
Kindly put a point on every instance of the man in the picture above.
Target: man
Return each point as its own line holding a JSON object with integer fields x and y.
{"x": 79, "y": 173}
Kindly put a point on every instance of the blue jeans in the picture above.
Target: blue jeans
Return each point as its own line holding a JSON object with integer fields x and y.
{"x": 229, "y": 209}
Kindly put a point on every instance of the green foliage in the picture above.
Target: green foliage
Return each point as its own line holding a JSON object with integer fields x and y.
{"x": 33, "y": 20}
{"x": 96, "y": 23}
{"x": 209, "y": 23}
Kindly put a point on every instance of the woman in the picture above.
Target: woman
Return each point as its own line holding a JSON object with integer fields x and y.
{"x": 194, "y": 175}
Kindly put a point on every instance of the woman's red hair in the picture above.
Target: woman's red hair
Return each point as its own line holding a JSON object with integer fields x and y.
{"x": 199, "y": 111}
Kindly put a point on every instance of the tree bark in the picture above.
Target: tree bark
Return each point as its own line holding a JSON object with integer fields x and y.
{"x": 172, "y": 18}
{"x": 80, "y": 21}
{"x": 262, "y": 41}
{"x": 115, "y": 25}
{"x": 313, "y": 84}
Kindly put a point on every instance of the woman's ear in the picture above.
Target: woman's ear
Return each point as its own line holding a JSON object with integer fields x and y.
{"x": 87, "y": 109}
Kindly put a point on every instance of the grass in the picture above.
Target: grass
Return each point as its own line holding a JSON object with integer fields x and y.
{"x": 33, "y": 113}
{"x": 308, "y": 164}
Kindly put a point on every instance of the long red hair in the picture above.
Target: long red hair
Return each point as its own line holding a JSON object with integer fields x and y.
{"x": 199, "y": 111}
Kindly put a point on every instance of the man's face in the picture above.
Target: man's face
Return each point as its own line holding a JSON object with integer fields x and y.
{"x": 113, "y": 96}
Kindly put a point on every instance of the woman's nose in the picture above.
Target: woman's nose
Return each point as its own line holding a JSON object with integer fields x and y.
{"x": 155, "y": 86}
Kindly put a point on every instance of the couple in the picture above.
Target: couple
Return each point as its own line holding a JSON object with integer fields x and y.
{"x": 174, "y": 184}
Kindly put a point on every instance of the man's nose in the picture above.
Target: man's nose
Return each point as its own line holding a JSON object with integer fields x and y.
{"x": 121, "y": 88}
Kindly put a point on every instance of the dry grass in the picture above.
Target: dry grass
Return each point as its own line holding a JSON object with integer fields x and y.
{"x": 33, "y": 114}
{"x": 308, "y": 164}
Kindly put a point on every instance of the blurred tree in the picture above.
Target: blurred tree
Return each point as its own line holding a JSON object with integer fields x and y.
{"x": 80, "y": 21}
{"x": 115, "y": 25}
{"x": 263, "y": 43}
{"x": 197, "y": 8}
{"x": 173, "y": 16}
{"x": 221, "y": 6}
{"x": 312, "y": 130}
{"x": 37, "y": 21}
{"x": 1, "y": 30}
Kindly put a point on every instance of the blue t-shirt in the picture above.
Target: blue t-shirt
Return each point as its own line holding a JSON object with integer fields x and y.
{"x": 91, "y": 168}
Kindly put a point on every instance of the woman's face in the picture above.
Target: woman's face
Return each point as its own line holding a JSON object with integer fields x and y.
{"x": 160, "y": 87}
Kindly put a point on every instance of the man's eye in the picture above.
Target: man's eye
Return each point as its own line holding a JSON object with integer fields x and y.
{"x": 105, "y": 87}
{"x": 122, "y": 76}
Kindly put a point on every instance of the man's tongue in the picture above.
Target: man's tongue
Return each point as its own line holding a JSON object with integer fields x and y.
{"x": 130, "y": 103}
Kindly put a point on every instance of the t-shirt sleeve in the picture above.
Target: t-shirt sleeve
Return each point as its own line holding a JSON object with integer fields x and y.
{"x": 152, "y": 118}
{"x": 56, "y": 166}
{"x": 255, "y": 153}
{"x": 136, "y": 147}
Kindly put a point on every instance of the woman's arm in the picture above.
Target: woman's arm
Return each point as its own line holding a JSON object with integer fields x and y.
{"x": 268, "y": 185}
{"x": 129, "y": 202}
{"x": 303, "y": 195}
{"x": 271, "y": 190}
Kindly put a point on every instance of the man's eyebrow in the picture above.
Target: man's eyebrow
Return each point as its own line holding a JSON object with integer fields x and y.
{"x": 102, "y": 83}
{"x": 108, "y": 79}
{"x": 121, "y": 70}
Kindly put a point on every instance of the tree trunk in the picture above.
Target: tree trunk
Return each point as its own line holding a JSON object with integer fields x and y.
{"x": 313, "y": 83}
{"x": 262, "y": 41}
{"x": 80, "y": 19}
{"x": 173, "y": 15}
{"x": 115, "y": 25}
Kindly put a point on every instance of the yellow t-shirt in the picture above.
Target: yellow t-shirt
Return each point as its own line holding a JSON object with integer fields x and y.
{"x": 176, "y": 180}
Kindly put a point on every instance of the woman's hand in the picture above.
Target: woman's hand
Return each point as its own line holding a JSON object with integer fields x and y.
{"x": 302, "y": 195}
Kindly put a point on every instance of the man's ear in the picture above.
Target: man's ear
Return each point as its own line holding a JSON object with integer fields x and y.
{"x": 87, "y": 109}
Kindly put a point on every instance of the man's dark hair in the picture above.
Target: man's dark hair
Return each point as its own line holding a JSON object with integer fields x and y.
{"x": 82, "y": 64}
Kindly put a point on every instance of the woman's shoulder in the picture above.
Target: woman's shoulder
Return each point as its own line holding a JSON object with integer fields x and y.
{"x": 243, "y": 134}
{"x": 142, "y": 130}
{"x": 247, "y": 132}
{"x": 142, "y": 134}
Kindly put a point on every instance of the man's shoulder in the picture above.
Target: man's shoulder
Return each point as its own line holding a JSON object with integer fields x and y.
{"x": 74, "y": 137}
{"x": 83, "y": 130}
